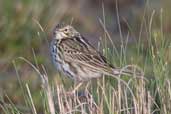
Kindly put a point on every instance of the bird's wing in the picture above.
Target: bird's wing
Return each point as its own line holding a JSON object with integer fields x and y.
{"x": 79, "y": 50}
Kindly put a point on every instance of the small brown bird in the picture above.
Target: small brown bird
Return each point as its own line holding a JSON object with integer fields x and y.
{"x": 77, "y": 58}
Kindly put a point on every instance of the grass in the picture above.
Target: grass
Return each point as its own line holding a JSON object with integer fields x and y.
{"x": 107, "y": 95}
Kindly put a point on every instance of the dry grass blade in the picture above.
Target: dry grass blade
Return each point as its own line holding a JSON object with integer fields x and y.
{"x": 45, "y": 85}
{"x": 31, "y": 100}
{"x": 39, "y": 25}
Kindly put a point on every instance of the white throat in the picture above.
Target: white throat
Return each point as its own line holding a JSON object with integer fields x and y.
{"x": 60, "y": 35}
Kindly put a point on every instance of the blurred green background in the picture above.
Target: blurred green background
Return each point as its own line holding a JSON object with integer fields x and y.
{"x": 20, "y": 34}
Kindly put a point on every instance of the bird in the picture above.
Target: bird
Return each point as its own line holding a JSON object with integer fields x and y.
{"x": 75, "y": 57}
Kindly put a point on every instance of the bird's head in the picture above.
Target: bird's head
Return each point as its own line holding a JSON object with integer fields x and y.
{"x": 63, "y": 32}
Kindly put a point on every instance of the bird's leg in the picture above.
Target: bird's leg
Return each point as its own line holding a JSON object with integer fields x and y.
{"x": 76, "y": 87}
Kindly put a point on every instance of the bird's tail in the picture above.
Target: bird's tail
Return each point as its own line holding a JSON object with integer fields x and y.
{"x": 129, "y": 70}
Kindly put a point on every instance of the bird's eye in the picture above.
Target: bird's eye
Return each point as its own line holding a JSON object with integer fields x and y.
{"x": 65, "y": 30}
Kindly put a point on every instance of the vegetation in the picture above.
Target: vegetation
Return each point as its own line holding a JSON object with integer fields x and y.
{"x": 29, "y": 83}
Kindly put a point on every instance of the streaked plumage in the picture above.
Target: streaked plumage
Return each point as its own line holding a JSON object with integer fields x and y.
{"x": 73, "y": 55}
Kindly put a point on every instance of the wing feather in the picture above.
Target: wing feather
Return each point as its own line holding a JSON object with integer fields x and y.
{"x": 79, "y": 50}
